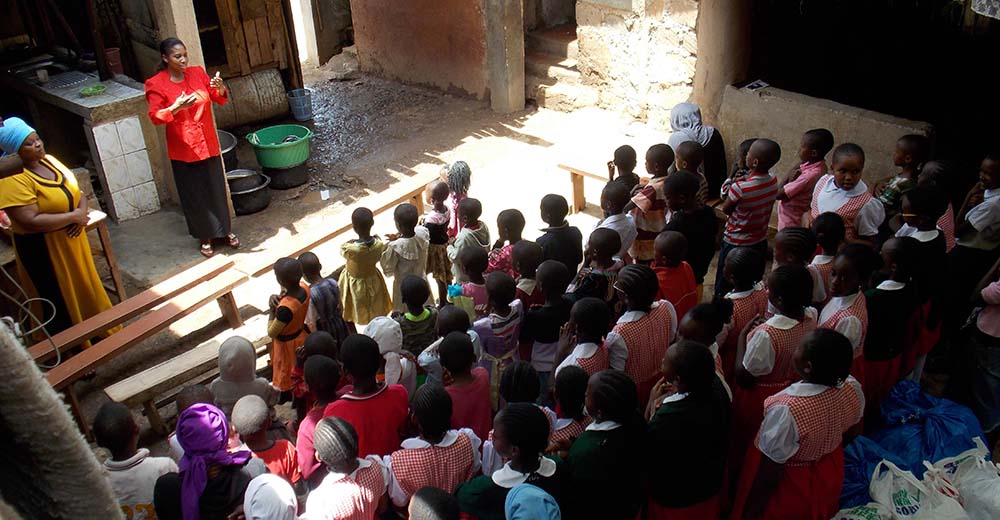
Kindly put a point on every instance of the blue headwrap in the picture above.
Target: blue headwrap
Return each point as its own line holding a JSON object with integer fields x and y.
{"x": 13, "y": 133}
{"x": 527, "y": 502}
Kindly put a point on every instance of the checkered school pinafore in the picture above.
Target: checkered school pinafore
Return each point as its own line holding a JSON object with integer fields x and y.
{"x": 784, "y": 343}
{"x": 745, "y": 309}
{"x": 358, "y": 497}
{"x": 599, "y": 361}
{"x": 443, "y": 467}
{"x": 858, "y": 309}
{"x": 849, "y": 211}
{"x": 824, "y": 271}
{"x": 647, "y": 340}
{"x": 570, "y": 431}
{"x": 820, "y": 419}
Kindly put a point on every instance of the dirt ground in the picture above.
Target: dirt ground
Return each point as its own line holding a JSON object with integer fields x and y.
{"x": 369, "y": 133}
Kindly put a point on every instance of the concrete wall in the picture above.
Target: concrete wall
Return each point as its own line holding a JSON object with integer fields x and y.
{"x": 723, "y": 51}
{"x": 441, "y": 43}
{"x": 784, "y": 116}
{"x": 640, "y": 55}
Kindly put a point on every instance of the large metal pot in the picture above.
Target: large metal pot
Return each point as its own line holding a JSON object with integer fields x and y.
{"x": 253, "y": 199}
{"x": 286, "y": 178}
{"x": 227, "y": 142}
{"x": 242, "y": 179}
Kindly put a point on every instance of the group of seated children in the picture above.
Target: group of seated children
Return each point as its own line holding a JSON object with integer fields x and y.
{"x": 546, "y": 364}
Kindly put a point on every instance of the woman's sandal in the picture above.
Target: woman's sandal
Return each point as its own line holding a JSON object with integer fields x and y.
{"x": 234, "y": 241}
{"x": 206, "y": 250}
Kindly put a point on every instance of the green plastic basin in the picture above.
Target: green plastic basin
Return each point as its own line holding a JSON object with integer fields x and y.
{"x": 281, "y": 146}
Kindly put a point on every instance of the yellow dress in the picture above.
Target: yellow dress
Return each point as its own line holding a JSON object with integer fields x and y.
{"x": 362, "y": 289}
{"x": 58, "y": 267}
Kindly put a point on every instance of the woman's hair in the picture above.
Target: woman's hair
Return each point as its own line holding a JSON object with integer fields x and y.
{"x": 519, "y": 383}
{"x": 831, "y": 355}
{"x": 166, "y": 45}
{"x": 525, "y": 426}
{"x": 592, "y": 318}
{"x": 798, "y": 242}
{"x": 693, "y": 363}
{"x": 793, "y": 284}
{"x": 336, "y": 442}
{"x": 639, "y": 283}
{"x": 459, "y": 177}
{"x": 829, "y": 230}
{"x": 571, "y": 391}
{"x": 746, "y": 265}
{"x": 432, "y": 407}
{"x": 613, "y": 393}
{"x": 863, "y": 258}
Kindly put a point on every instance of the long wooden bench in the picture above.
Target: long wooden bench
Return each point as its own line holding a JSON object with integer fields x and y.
{"x": 132, "y": 307}
{"x": 215, "y": 288}
{"x": 200, "y": 364}
{"x": 579, "y": 202}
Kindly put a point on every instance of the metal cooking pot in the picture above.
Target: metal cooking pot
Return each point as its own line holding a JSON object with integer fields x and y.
{"x": 286, "y": 178}
{"x": 242, "y": 179}
{"x": 227, "y": 142}
{"x": 253, "y": 199}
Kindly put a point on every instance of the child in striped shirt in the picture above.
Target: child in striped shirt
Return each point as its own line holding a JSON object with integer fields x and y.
{"x": 749, "y": 206}
{"x": 649, "y": 206}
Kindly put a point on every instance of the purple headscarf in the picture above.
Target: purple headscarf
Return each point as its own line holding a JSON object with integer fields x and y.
{"x": 203, "y": 432}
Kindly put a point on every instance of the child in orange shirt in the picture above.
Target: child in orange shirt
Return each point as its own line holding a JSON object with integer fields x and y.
{"x": 675, "y": 275}
{"x": 251, "y": 419}
{"x": 286, "y": 325}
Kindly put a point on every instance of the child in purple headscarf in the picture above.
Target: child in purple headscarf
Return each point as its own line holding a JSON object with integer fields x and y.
{"x": 212, "y": 481}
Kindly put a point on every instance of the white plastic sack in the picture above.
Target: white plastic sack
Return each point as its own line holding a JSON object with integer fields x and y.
{"x": 869, "y": 511}
{"x": 908, "y": 498}
{"x": 976, "y": 480}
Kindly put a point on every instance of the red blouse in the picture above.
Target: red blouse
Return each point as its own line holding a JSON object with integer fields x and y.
{"x": 191, "y": 132}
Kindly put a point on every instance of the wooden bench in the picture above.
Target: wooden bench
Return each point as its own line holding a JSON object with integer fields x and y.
{"x": 199, "y": 365}
{"x": 217, "y": 288}
{"x": 134, "y": 306}
{"x": 579, "y": 202}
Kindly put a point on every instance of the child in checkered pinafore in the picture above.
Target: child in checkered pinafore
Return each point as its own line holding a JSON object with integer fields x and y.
{"x": 843, "y": 192}
{"x": 847, "y": 311}
{"x": 639, "y": 340}
{"x": 439, "y": 457}
{"x": 569, "y": 393}
{"x": 744, "y": 269}
{"x": 765, "y": 350}
{"x": 354, "y": 487}
{"x": 829, "y": 230}
{"x": 802, "y": 434}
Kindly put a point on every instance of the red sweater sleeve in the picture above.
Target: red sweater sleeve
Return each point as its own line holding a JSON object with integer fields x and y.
{"x": 212, "y": 93}
{"x": 159, "y": 111}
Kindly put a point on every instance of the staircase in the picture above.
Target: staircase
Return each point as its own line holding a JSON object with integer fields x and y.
{"x": 551, "y": 77}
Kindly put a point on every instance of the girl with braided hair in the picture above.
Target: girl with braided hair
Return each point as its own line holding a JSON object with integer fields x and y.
{"x": 458, "y": 177}
{"x": 353, "y": 487}
{"x": 602, "y": 461}
{"x": 640, "y": 338}
{"x": 795, "y": 468}
{"x": 520, "y": 434}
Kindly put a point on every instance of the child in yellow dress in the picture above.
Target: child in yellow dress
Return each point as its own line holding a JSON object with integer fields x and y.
{"x": 363, "y": 292}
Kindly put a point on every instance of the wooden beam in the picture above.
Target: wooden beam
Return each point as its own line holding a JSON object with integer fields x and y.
{"x": 253, "y": 44}
{"x": 232, "y": 35}
{"x": 294, "y": 66}
{"x": 95, "y": 28}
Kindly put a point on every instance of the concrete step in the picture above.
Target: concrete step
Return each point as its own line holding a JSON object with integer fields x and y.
{"x": 558, "y": 41}
{"x": 559, "y": 95}
{"x": 550, "y": 66}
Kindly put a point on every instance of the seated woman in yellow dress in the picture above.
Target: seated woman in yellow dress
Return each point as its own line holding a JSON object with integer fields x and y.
{"x": 48, "y": 213}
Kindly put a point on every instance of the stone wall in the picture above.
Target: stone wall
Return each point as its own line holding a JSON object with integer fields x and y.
{"x": 432, "y": 42}
{"x": 640, "y": 55}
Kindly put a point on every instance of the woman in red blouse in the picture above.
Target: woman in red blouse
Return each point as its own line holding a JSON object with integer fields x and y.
{"x": 181, "y": 97}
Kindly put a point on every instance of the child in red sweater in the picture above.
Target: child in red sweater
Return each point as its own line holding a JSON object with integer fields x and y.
{"x": 677, "y": 284}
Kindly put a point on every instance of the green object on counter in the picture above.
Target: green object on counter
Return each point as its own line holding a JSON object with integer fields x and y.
{"x": 93, "y": 90}
{"x": 281, "y": 146}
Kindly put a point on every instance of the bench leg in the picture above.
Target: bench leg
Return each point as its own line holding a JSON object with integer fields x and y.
{"x": 155, "y": 421}
{"x": 579, "y": 203}
{"x": 227, "y": 303}
{"x": 418, "y": 201}
{"x": 109, "y": 255}
{"x": 74, "y": 406}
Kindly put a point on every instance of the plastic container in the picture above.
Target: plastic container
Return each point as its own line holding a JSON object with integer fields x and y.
{"x": 300, "y": 101}
{"x": 281, "y": 146}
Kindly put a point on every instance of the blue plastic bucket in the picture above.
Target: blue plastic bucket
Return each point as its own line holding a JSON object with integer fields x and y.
{"x": 300, "y": 101}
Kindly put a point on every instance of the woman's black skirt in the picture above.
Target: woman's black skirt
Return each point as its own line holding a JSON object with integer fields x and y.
{"x": 201, "y": 187}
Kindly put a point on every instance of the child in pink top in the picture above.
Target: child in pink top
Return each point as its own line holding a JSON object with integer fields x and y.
{"x": 795, "y": 190}
{"x": 469, "y": 387}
